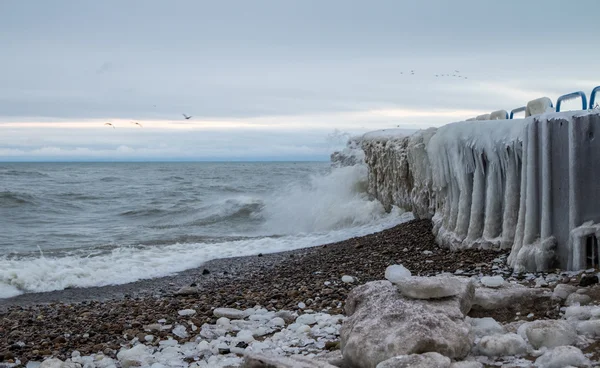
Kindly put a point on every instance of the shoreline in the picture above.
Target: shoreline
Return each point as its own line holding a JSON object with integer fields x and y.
{"x": 38, "y": 325}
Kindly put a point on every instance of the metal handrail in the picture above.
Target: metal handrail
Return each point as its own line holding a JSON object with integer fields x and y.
{"x": 593, "y": 97}
{"x": 517, "y": 110}
{"x": 571, "y": 96}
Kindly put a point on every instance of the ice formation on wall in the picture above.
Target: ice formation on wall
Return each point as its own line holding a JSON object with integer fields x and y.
{"x": 516, "y": 184}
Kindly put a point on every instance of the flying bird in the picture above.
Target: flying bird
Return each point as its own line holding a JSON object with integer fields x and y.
{"x": 186, "y": 117}
{"x": 456, "y": 71}
{"x": 110, "y": 125}
{"x": 136, "y": 123}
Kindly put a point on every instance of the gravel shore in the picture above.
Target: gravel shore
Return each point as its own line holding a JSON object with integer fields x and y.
{"x": 34, "y": 326}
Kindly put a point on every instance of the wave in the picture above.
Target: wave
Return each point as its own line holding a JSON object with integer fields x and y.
{"x": 333, "y": 201}
{"x": 236, "y": 209}
{"x": 24, "y": 173}
{"x": 129, "y": 264}
{"x": 15, "y": 199}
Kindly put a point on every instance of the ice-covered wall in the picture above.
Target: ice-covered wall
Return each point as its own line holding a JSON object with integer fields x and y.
{"x": 524, "y": 184}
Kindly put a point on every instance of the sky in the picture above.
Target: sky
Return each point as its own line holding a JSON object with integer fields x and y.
{"x": 271, "y": 79}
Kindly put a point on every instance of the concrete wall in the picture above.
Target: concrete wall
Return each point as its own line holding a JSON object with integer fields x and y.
{"x": 527, "y": 185}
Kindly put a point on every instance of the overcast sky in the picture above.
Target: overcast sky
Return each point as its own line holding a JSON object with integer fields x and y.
{"x": 272, "y": 79}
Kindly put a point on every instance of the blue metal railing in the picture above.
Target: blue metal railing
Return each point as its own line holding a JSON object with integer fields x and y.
{"x": 593, "y": 97}
{"x": 517, "y": 110}
{"x": 571, "y": 96}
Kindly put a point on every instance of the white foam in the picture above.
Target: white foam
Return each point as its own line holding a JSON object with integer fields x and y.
{"x": 331, "y": 202}
{"x": 128, "y": 264}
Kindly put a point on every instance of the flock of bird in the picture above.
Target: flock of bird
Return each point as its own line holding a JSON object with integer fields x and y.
{"x": 456, "y": 74}
{"x": 186, "y": 117}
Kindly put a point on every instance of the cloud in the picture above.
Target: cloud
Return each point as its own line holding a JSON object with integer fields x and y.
{"x": 276, "y": 69}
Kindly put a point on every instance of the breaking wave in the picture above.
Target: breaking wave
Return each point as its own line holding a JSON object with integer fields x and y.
{"x": 323, "y": 208}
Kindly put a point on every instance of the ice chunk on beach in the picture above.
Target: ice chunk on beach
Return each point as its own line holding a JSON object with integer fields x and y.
{"x": 230, "y": 313}
{"x": 139, "y": 355}
{"x": 186, "y": 312}
{"x": 492, "y": 281}
{"x": 562, "y": 356}
{"x": 347, "y": 279}
{"x": 502, "y": 345}
{"x": 245, "y": 336}
{"x": 395, "y": 273}
{"x": 550, "y": 333}
{"x": 306, "y": 319}
{"x": 485, "y": 326}
{"x": 180, "y": 331}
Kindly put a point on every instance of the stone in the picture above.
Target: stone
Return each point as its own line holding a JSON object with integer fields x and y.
{"x": 561, "y": 357}
{"x": 230, "y": 313}
{"x": 578, "y": 299}
{"x": 264, "y": 361}
{"x": 562, "y": 291}
{"x": 434, "y": 287}
{"x": 589, "y": 328}
{"x": 466, "y": 364}
{"x": 485, "y": 326}
{"x": 383, "y": 324}
{"x": 137, "y": 356}
{"x": 492, "y": 281}
{"x": 187, "y": 290}
{"x": 425, "y": 360}
{"x": 502, "y": 345}
{"x": 287, "y": 316}
{"x": 508, "y": 296}
{"x": 550, "y": 333}
{"x": 588, "y": 280}
{"x": 347, "y": 279}
{"x": 306, "y": 319}
{"x": 186, "y": 312}
{"x": 51, "y": 363}
{"x": 396, "y": 273}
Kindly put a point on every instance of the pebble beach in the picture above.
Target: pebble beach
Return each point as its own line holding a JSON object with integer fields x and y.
{"x": 36, "y": 326}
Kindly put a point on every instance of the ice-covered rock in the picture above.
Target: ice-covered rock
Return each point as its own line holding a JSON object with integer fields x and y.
{"x": 581, "y": 313}
{"x": 139, "y": 355}
{"x": 51, "y": 363}
{"x": 466, "y": 364}
{"x": 426, "y": 360}
{"x": 540, "y": 282}
{"x": 434, "y": 287}
{"x": 287, "y": 316}
{"x": 562, "y": 291}
{"x": 396, "y": 273}
{"x": 550, "y": 333}
{"x": 180, "y": 331}
{"x": 264, "y": 361}
{"x": 509, "y": 296}
{"x": 492, "y": 281}
{"x": 578, "y": 299}
{"x": 230, "y": 313}
{"x": 245, "y": 336}
{"x": 347, "y": 279}
{"x": 485, "y": 326}
{"x": 306, "y": 319}
{"x": 382, "y": 324}
{"x": 589, "y": 328}
{"x": 502, "y": 345}
{"x": 187, "y": 290}
{"x": 186, "y": 312}
{"x": 277, "y": 321}
{"x": 561, "y": 357}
